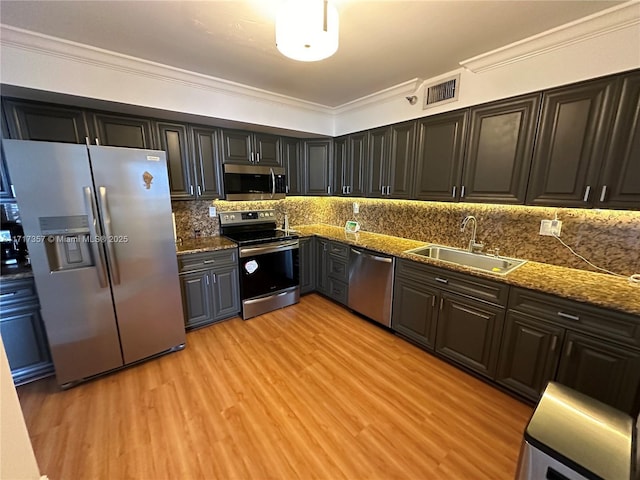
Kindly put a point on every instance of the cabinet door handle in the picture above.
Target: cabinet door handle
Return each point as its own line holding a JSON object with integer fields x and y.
{"x": 554, "y": 341}
{"x": 587, "y": 191}
{"x": 199, "y": 190}
{"x": 215, "y": 280}
{"x": 349, "y": 189}
{"x": 388, "y": 189}
{"x": 252, "y": 161}
{"x": 287, "y": 188}
{"x": 442, "y": 280}
{"x": 191, "y": 189}
{"x": 453, "y": 194}
{"x": 462, "y": 192}
{"x": 569, "y": 348}
{"x": 328, "y": 189}
{"x": 433, "y": 302}
{"x": 258, "y": 157}
{"x": 603, "y": 193}
{"x": 382, "y": 189}
{"x": 441, "y": 302}
{"x": 97, "y": 141}
{"x": 207, "y": 278}
{"x": 568, "y": 316}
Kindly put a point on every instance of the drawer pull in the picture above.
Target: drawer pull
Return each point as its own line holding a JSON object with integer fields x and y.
{"x": 568, "y": 316}
{"x": 209, "y": 261}
{"x": 8, "y": 294}
{"x": 442, "y": 280}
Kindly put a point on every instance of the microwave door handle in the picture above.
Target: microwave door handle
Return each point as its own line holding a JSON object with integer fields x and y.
{"x": 273, "y": 183}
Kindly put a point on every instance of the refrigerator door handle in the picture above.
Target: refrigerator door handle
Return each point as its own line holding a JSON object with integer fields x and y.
{"x": 93, "y": 241}
{"x": 111, "y": 253}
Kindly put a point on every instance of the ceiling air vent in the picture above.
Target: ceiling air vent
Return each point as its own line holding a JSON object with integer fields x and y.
{"x": 445, "y": 91}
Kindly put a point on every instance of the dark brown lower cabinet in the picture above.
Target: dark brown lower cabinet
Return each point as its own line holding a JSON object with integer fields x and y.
{"x": 414, "y": 312}
{"x": 332, "y": 269}
{"x": 468, "y": 332}
{"x": 307, "y": 268}
{"x": 602, "y": 370}
{"x": 529, "y": 354}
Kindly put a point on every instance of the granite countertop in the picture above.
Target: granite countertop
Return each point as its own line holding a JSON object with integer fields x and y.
{"x": 580, "y": 285}
{"x": 203, "y": 244}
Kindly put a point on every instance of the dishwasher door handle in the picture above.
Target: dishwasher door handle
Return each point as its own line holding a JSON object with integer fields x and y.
{"x": 373, "y": 257}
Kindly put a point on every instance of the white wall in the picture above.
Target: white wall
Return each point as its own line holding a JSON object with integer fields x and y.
{"x": 598, "y": 45}
{"x": 17, "y": 460}
{"x": 594, "y": 57}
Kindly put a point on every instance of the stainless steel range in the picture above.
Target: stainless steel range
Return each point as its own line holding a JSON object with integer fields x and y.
{"x": 268, "y": 258}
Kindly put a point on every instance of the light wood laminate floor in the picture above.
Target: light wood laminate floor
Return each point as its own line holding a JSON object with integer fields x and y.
{"x": 310, "y": 391}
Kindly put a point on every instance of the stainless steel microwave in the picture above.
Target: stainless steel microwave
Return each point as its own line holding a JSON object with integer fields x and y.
{"x": 254, "y": 182}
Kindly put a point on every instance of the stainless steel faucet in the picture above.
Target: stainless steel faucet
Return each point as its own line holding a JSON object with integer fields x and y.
{"x": 474, "y": 247}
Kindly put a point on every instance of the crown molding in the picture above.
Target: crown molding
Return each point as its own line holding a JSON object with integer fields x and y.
{"x": 607, "y": 21}
{"x": 76, "y": 52}
{"x": 392, "y": 93}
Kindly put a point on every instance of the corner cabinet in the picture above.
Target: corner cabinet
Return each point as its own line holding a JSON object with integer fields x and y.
{"x": 49, "y": 123}
{"x": 592, "y": 350}
{"x": 498, "y": 152}
{"x": 210, "y": 286}
{"x": 317, "y": 155}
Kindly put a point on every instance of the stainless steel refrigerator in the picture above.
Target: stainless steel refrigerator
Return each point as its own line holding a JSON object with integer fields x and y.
{"x": 98, "y": 226}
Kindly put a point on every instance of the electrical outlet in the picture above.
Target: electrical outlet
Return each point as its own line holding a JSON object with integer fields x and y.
{"x": 356, "y": 207}
{"x": 212, "y": 211}
{"x": 550, "y": 228}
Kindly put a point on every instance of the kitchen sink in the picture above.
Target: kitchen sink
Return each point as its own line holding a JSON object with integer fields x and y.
{"x": 478, "y": 261}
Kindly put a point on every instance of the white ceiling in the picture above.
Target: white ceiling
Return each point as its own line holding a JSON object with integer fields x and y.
{"x": 382, "y": 43}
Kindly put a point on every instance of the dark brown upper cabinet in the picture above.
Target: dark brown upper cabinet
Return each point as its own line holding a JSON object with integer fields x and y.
{"x": 292, "y": 162}
{"x": 379, "y": 150}
{"x": 619, "y": 185}
{"x": 574, "y": 128}
{"x": 121, "y": 131}
{"x": 317, "y": 166}
{"x": 349, "y": 164}
{"x": 391, "y": 161}
{"x": 498, "y": 151}
{"x": 440, "y": 153}
{"x": 206, "y": 162}
{"x": 243, "y": 148}
{"x": 43, "y": 122}
{"x": 192, "y": 160}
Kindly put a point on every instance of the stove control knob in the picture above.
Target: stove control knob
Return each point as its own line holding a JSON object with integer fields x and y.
{"x": 226, "y": 217}
{"x": 233, "y": 217}
{"x": 261, "y": 214}
{"x": 271, "y": 214}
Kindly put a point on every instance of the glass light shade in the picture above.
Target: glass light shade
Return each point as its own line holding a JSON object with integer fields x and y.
{"x": 302, "y": 33}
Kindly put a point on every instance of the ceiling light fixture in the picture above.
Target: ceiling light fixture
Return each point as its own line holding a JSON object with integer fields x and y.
{"x": 307, "y": 30}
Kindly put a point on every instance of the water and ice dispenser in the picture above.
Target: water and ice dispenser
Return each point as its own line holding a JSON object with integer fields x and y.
{"x": 67, "y": 242}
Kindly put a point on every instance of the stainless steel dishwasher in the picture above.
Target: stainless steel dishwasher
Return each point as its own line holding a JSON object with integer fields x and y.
{"x": 371, "y": 285}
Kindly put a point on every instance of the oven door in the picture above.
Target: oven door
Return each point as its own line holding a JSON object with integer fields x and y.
{"x": 268, "y": 268}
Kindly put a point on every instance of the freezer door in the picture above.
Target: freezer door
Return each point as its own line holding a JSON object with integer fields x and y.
{"x": 56, "y": 198}
{"x": 135, "y": 206}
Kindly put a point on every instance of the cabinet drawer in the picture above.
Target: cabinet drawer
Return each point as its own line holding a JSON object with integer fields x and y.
{"x": 18, "y": 292}
{"x": 339, "y": 250}
{"x": 204, "y": 261}
{"x": 338, "y": 268}
{"x": 338, "y": 290}
{"x": 473, "y": 287}
{"x": 620, "y": 327}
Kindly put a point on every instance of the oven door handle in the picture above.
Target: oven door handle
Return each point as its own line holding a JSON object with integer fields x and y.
{"x": 269, "y": 248}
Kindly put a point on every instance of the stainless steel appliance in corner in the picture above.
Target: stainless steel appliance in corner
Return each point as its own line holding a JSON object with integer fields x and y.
{"x": 371, "y": 285}
{"x": 269, "y": 261}
{"x": 97, "y": 221}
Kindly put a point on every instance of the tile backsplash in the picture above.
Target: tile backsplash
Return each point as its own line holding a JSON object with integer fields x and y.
{"x": 607, "y": 238}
